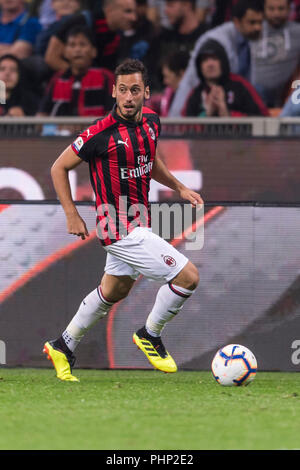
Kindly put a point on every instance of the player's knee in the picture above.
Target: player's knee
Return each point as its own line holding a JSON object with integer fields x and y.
{"x": 116, "y": 288}
{"x": 123, "y": 291}
{"x": 192, "y": 277}
{"x": 188, "y": 277}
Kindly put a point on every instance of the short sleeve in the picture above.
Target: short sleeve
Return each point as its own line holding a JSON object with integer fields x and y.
{"x": 153, "y": 121}
{"x": 85, "y": 146}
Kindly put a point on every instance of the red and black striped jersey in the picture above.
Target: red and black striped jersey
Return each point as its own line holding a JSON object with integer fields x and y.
{"x": 120, "y": 154}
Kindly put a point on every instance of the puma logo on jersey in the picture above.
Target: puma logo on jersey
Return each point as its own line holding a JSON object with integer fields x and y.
{"x": 124, "y": 143}
{"x": 89, "y": 134}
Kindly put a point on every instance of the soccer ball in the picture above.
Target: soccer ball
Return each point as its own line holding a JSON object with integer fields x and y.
{"x": 234, "y": 365}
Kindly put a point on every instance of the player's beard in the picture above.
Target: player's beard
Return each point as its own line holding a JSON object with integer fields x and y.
{"x": 133, "y": 114}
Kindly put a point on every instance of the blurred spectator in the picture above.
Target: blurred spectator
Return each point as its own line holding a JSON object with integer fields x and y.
{"x": 63, "y": 10}
{"x": 236, "y": 37}
{"x": 295, "y": 10}
{"x": 18, "y": 31}
{"x": 276, "y": 55}
{"x": 209, "y": 8}
{"x": 220, "y": 92}
{"x": 135, "y": 43}
{"x": 46, "y": 14}
{"x": 43, "y": 10}
{"x": 223, "y": 11}
{"x": 158, "y": 16}
{"x": 81, "y": 90}
{"x": 19, "y": 100}
{"x": 117, "y": 15}
{"x": 184, "y": 21}
{"x": 186, "y": 29}
{"x": 173, "y": 68}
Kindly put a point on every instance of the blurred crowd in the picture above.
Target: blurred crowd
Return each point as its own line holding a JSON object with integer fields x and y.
{"x": 205, "y": 57}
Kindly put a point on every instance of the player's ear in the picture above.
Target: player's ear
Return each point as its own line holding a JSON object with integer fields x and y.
{"x": 147, "y": 93}
{"x": 114, "y": 91}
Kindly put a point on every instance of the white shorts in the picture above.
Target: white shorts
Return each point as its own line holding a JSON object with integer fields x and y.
{"x": 143, "y": 252}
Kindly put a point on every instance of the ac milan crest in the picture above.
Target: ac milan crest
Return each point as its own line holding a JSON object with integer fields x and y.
{"x": 169, "y": 261}
{"x": 151, "y": 132}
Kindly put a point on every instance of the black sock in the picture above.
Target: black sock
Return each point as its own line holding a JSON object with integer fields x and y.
{"x": 143, "y": 332}
{"x": 60, "y": 344}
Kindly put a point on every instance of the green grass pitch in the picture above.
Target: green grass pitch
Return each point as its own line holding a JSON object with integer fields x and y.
{"x": 149, "y": 410}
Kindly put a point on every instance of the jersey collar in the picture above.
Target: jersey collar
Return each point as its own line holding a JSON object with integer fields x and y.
{"x": 127, "y": 123}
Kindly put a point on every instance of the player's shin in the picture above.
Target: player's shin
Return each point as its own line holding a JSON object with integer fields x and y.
{"x": 169, "y": 301}
{"x": 93, "y": 307}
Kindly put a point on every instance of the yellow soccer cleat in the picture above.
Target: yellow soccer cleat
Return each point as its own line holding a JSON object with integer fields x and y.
{"x": 62, "y": 362}
{"x": 154, "y": 350}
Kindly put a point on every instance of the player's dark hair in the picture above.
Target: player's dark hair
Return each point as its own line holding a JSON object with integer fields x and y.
{"x": 85, "y": 31}
{"x": 131, "y": 66}
{"x": 242, "y": 6}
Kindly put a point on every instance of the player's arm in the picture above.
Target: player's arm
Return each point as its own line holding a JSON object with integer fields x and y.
{"x": 161, "y": 174}
{"x": 67, "y": 161}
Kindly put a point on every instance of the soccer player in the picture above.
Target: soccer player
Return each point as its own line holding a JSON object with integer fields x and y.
{"x": 120, "y": 150}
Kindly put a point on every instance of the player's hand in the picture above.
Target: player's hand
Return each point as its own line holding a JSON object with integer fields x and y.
{"x": 77, "y": 226}
{"x": 194, "y": 198}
